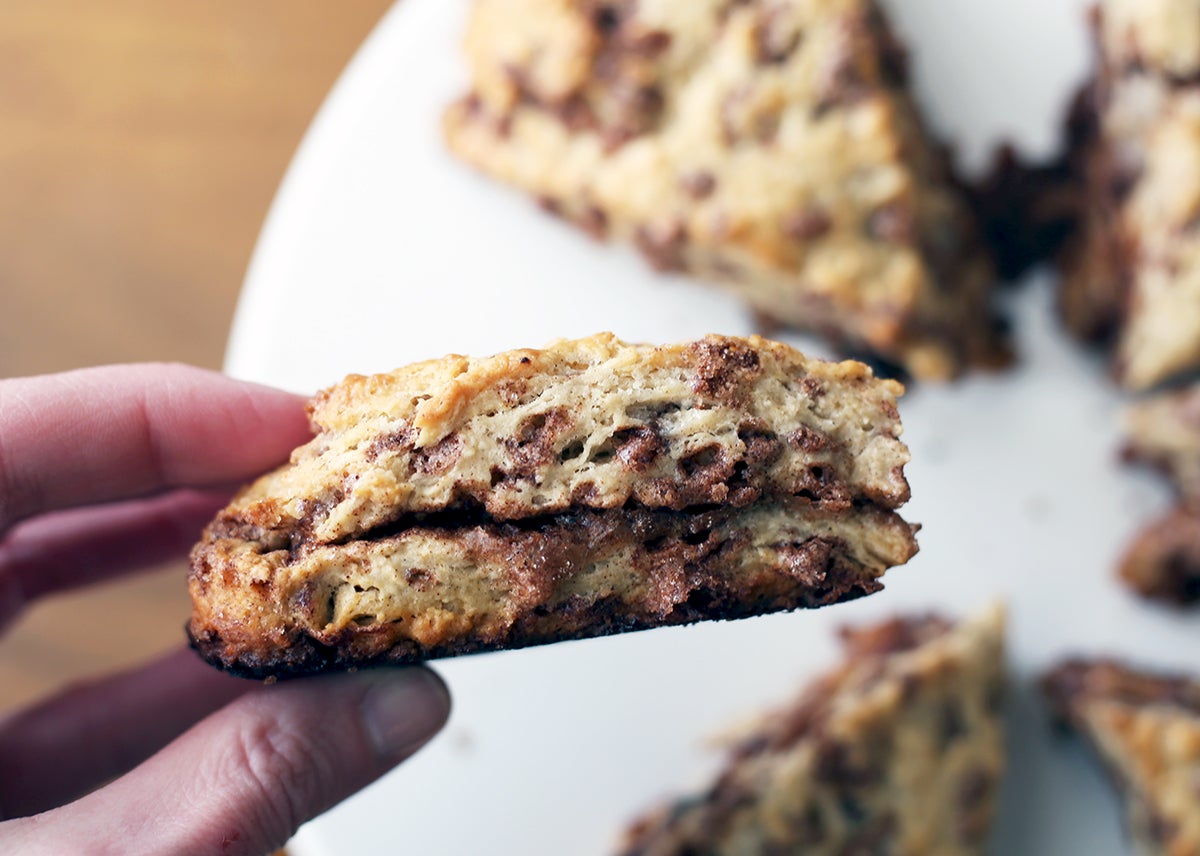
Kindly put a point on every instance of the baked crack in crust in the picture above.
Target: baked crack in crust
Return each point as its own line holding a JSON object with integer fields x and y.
{"x": 588, "y": 488}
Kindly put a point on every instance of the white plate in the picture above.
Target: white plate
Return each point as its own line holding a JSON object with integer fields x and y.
{"x": 381, "y": 250}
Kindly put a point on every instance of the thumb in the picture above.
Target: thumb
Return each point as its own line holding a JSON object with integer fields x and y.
{"x": 243, "y": 780}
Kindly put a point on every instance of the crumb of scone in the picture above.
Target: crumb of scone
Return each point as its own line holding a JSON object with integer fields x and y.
{"x": 899, "y": 751}
{"x": 769, "y": 146}
{"x": 587, "y": 488}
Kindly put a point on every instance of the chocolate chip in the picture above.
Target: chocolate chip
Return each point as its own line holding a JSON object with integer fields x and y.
{"x": 650, "y": 44}
{"x": 807, "y": 224}
{"x": 808, "y": 439}
{"x": 550, "y": 205}
{"x": 392, "y": 441}
{"x": 822, "y": 485}
{"x": 1161, "y": 830}
{"x": 975, "y": 788}
{"x": 662, "y": 245}
{"x": 702, "y": 459}
{"x": 841, "y": 80}
{"x": 639, "y": 447}
{"x": 420, "y": 579}
{"x": 813, "y": 387}
{"x": 762, "y": 446}
{"x": 950, "y": 724}
{"x": 438, "y": 458}
{"x": 533, "y": 443}
{"x": 775, "y": 36}
{"x": 724, "y": 367}
{"x": 836, "y": 767}
{"x": 810, "y": 825}
{"x": 606, "y": 19}
{"x": 594, "y": 221}
{"x": 894, "y": 222}
{"x": 974, "y": 801}
{"x": 809, "y": 561}
{"x": 698, "y": 184}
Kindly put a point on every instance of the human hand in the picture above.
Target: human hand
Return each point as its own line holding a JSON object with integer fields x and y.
{"x": 105, "y": 471}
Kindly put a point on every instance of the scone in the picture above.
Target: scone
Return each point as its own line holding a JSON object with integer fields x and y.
{"x": 899, "y": 752}
{"x": 589, "y": 488}
{"x": 1146, "y": 729}
{"x": 1163, "y": 562}
{"x": 1163, "y": 431}
{"x": 770, "y": 146}
{"x": 1134, "y": 273}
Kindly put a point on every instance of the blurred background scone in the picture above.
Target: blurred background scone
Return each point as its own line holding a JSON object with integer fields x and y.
{"x": 771, "y": 147}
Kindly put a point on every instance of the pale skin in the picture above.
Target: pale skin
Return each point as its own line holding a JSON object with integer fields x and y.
{"x": 107, "y": 471}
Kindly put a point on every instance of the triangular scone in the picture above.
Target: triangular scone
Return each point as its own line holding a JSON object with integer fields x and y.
{"x": 899, "y": 752}
{"x": 1146, "y": 729}
{"x": 588, "y": 488}
{"x": 1134, "y": 274}
{"x": 767, "y": 145}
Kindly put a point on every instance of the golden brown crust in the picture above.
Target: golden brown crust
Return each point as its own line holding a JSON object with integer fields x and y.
{"x": 592, "y": 486}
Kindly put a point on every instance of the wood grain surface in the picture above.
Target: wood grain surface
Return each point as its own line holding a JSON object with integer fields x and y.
{"x": 141, "y": 142}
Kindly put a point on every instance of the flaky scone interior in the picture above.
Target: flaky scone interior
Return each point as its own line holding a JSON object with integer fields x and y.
{"x": 586, "y": 488}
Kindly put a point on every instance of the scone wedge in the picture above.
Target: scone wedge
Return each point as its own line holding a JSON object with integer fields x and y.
{"x": 1146, "y": 729}
{"x": 769, "y": 146}
{"x": 588, "y": 488}
{"x": 900, "y": 751}
{"x": 1133, "y": 274}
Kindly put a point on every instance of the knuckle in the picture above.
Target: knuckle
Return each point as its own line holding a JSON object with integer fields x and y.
{"x": 280, "y": 772}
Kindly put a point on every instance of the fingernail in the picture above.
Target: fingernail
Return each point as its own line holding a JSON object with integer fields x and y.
{"x": 403, "y": 709}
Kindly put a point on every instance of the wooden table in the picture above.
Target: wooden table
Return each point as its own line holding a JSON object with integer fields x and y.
{"x": 140, "y": 145}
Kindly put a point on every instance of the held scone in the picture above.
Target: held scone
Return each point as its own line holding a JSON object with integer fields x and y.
{"x": 767, "y": 145}
{"x": 1146, "y": 729}
{"x": 900, "y": 752}
{"x": 589, "y": 488}
{"x": 1133, "y": 275}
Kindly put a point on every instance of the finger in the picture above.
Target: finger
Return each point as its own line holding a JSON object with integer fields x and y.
{"x": 117, "y": 432}
{"x": 243, "y": 780}
{"x": 63, "y": 747}
{"x": 65, "y": 549}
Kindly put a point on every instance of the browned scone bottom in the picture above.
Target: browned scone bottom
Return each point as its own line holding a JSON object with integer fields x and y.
{"x": 590, "y": 487}
{"x": 899, "y": 752}
{"x": 450, "y": 584}
{"x": 1145, "y": 727}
